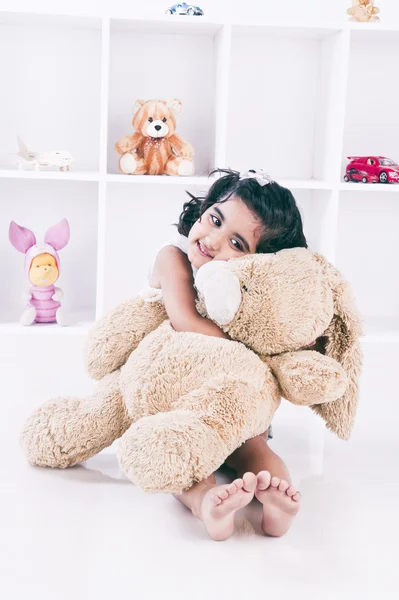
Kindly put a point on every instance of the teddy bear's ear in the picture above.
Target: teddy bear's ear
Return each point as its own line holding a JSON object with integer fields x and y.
{"x": 342, "y": 342}
{"x": 137, "y": 105}
{"x": 174, "y": 105}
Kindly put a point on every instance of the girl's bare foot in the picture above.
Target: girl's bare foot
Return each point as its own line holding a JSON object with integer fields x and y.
{"x": 221, "y": 502}
{"x": 281, "y": 502}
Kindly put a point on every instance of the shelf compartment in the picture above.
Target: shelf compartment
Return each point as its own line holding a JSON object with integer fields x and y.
{"x": 370, "y": 75}
{"x": 37, "y": 205}
{"x": 50, "y": 70}
{"x": 188, "y": 74}
{"x": 289, "y": 123}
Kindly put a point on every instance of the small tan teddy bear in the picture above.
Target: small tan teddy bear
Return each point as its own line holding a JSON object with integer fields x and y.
{"x": 155, "y": 148}
{"x": 363, "y": 11}
{"x": 183, "y": 402}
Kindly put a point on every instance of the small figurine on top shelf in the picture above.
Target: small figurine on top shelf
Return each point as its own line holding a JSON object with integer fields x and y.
{"x": 184, "y": 9}
{"x": 54, "y": 158}
{"x": 363, "y": 11}
{"x": 42, "y": 267}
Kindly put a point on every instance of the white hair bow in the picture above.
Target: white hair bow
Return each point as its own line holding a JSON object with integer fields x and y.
{"x": 261, "y": 177}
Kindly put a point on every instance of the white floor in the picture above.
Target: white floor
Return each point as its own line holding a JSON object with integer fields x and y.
{"x": 88, "y": 533}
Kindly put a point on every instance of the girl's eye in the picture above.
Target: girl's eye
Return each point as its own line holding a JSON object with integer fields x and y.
{"x": 238, "y": 246}
{"x": 216, "y": 221}
{"x": 164, "y": 120}
{"x": 150, "y": 119}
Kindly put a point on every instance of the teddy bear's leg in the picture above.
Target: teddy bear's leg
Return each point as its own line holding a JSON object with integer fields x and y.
{"x": 131, "y": 164}
{"x": 170, "y": 451}
{"x": 307, "y": 377}
{"x": 179, "y": 166}
{"x": 66, "y": 431}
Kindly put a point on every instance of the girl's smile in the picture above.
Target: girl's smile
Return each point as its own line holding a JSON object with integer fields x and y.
{"x": 203, "y": 250}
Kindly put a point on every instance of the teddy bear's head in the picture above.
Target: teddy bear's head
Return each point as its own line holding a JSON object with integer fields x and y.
{"x": 275, "y": 303}
{"x": 272, "y": 303}
{"x": 156, "y": 118}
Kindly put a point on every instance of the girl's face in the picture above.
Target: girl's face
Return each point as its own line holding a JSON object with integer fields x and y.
{"x": 225, "y": 230}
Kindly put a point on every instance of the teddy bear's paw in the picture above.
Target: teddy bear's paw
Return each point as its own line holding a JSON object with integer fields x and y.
{"x": 128, "y": 164}
{"x": 168, "y": 452}
{"x": 185, "y": 168}
{"x": 123, "y": 145}
{"x": 308, "y": 378}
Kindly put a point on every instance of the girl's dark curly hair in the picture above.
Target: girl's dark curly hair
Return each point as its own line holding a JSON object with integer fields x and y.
{"x": 273, "y": 204}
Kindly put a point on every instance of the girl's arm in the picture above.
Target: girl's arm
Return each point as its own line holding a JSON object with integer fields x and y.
{"x": 173, "y": 274}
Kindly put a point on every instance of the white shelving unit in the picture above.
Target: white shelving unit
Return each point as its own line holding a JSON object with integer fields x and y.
{"x": 292, "y": 98}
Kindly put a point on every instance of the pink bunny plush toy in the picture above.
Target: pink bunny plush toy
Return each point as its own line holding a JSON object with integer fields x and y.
{"x": 42, "y": 266}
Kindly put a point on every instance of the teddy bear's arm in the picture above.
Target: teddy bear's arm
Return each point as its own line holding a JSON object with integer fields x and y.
{"x": 307, "y": 377}
{"x": 180, "y": 147}
{"x": 128, "y": 143}
{"x": 114, "y": 337}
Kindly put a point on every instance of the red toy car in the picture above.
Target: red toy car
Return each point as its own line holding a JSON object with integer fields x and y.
{"x": 372, "y": 169}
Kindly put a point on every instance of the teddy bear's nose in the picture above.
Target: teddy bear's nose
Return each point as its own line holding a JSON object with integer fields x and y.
{"x": 157, "y": 127}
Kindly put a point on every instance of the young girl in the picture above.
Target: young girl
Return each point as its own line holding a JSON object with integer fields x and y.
{"x": 240, "y": 215}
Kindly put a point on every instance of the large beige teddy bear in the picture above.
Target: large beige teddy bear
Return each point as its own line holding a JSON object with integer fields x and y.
{"x": 183, "y": 402}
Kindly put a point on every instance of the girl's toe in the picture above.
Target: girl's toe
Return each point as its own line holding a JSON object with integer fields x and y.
{"x": 297, "y": 496}
{"x": 291, "y": 491}
{"x": 249, "y": 482}
{"x": 232, "y": 489}
{"x": 223, "y": 494}
{"x": 238, "y": 483}
{"x": 263, "y": 482}
{"x": 284, "y": 485}
{"x": 275, "y": 482}
{"x": 216, "y": 500}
